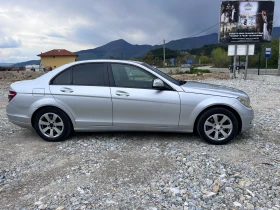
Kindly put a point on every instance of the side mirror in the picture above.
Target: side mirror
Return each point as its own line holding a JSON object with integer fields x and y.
{"x": 158, "y": 84}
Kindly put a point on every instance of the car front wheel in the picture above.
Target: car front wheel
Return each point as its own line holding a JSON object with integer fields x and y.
{"x": 52, "y": 124}
{"x": 217, "y": 126}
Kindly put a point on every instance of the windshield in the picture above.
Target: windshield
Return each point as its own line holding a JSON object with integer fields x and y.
{"x": 165, "y": 76}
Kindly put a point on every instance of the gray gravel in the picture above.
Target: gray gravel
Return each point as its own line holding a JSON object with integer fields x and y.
{"x": 145, "y": 170}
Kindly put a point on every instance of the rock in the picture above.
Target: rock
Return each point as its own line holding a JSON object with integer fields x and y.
{"x": 252, "y": 194}
{"x": 190, "y": 170}
{"x": 209, "y": 182}
{"x": 229, "y": 190}
{"x": 60, "y": 208}
{"x": 38, "y": 203}
{"x": 237, "y": 204}
{"x": 210, "y": 194}
{"x": 42, "y": 206}
{"x": 175, "y": 191}
{"x": 250, "y": 206}
{"x": 216, "y": 188}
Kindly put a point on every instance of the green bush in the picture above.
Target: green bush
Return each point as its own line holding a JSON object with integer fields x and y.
{"x": 198, "y": 71}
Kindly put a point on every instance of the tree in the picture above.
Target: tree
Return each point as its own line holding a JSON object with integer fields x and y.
{"x": 205, "y": 60}
{"x": 220, "y": 57}
{"x": 273, "y": 61}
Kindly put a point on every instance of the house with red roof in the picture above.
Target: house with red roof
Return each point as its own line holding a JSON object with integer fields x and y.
{"x": 57, "y": 57}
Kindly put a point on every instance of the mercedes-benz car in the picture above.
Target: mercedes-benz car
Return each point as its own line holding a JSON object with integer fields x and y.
{"x": 112, "y": 95}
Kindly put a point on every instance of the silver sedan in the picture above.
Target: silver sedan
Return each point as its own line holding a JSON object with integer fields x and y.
{"x": 111, "y": 95}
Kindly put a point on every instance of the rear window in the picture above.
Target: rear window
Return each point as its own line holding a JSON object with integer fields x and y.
{"x": 63, "y": 78}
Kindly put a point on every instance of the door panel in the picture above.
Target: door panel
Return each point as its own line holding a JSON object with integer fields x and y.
{"x": 83, "y": 90}
{"x": 145, "y": 107}
{"x": 90, "y": 106}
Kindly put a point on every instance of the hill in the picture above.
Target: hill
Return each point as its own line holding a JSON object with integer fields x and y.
{"x": 120, "y": 49}
{"x": 26, "y": 63}
{"x": 6, "y": 64}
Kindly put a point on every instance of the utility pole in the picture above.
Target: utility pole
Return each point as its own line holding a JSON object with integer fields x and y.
{"x": 164, "y": 53}
{"x": 247, "y": 60}
{"x": 279, "y": 60}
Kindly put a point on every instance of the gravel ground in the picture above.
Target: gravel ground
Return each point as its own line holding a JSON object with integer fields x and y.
{"x": 145, "y": 170}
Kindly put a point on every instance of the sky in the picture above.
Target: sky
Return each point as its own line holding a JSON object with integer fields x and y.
{"x": 29, "y": 27}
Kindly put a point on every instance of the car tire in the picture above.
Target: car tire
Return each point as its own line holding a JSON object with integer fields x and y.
{"x": 217, "y": 126}
{"x": 52, "y": 124}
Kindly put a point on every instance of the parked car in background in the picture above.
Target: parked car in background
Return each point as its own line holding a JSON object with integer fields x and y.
{"x": 188, "y": 66}
{"x": 240, "y": 65}
{"x": 112, "y": 95}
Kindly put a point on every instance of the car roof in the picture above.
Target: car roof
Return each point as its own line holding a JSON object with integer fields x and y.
{"x": 107, "y": 61}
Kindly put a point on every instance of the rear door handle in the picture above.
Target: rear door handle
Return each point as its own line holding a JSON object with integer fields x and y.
{"x": 121, "y": 93}
{"x": 66, "y": 90}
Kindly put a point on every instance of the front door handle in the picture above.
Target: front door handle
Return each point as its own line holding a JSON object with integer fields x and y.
{"x": 66, "y": 90}
{"x": 121, "y": 93}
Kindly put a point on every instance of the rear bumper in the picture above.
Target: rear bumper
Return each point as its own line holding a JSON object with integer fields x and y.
{"x": 20, "y": 121}
{"x": 18, "y": 115}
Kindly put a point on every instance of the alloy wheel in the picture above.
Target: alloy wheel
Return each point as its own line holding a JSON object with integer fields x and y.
{"x": 51, "y": 125}
{"x": 218, "y": 127}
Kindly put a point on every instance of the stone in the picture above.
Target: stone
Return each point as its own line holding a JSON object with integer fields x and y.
{"x": 216, "y": 188}
{"x": 190, "y": 170}
{"x": 175, "y": 191}
{"x": 60, "y": 208}
{"x": 209, "y": 182}
{"x": 229, "y": 190}
{"x": 237, "y": 204}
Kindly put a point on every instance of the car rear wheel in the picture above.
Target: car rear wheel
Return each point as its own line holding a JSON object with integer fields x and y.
{"x": 217, "y": 126}
{"x": 52, "y": 124}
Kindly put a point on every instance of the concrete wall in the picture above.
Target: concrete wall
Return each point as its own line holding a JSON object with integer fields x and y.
{"x": 56, "y": 61}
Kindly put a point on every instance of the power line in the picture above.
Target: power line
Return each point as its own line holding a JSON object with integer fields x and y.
{"x": 204, "y": 30}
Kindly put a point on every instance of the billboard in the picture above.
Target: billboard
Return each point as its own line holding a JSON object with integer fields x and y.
{"x": 241, "y": 50}
{"x": 244, "y": 22}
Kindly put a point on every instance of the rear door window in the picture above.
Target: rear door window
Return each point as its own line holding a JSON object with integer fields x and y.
{"x": 90, "y": 74}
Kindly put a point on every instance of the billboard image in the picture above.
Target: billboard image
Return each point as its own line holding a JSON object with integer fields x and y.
{"x": 246, "y": 22}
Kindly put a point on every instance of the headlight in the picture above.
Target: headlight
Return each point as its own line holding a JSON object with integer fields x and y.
{"x": 244, "y": 101}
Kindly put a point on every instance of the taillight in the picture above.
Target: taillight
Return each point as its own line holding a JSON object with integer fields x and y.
{"x": 11, "y": 95}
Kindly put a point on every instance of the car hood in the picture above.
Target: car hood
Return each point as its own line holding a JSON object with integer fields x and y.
{"x": 209, "y": 89}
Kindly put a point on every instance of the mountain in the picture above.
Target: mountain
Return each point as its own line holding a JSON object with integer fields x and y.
{"x": 26, "y": 63}
{"x": 194, "y": 42}
{"x": 6, "y": 64}
{"x": 120, "y": 49}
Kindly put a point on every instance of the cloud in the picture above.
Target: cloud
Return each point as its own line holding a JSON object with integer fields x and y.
{"x": 10, "y": 42}
{"x": 56, "y": 35}
{"x": 78, "y": 25}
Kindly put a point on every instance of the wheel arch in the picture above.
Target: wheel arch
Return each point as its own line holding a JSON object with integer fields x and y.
{"x": 50, "y": 106}
{"x": 220, "y": 106}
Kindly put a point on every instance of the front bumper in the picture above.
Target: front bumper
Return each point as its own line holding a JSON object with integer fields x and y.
{"x": 247, "y": 122}
{"x": 246, "y": 114}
